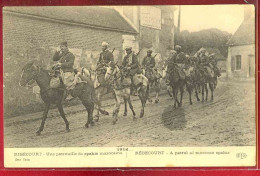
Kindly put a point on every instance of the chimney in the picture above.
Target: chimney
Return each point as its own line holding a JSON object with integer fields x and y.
{"x": 248, "y": 11}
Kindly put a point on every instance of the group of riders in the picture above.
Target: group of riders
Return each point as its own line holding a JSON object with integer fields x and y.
{"x": 64, "y": 81}
{"x": 130, "y": 66}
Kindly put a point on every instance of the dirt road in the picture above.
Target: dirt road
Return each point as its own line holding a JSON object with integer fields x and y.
{"x": 229, "y": 120}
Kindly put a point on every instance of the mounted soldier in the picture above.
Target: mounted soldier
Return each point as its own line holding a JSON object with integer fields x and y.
{"x": 105, "y": 57}
{"x": 204, "y": 65}
{"x": 168, "y": 64}
{"x": 213, "y": 61}
{"x": 151, "y": 74}
{"x": 130, "y": 66}
{"x": 148, "y": 65}
{"x": 64, "y": 68}
{"x": 180, "y": 57}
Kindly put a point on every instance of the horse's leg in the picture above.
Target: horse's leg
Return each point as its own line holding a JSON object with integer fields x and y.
{"x": 148, "y": 92}
{"x": 196, "y": 93}
{"x": 125, "y": 102}
{"x": 157, "y": 90}
{"x": 90, "y": 108}
{"x": 168, "y": 91}
{"x": 203, "y": 91}
{"x": 211, "y": 86}
{"x": 99, "y": 105}
{"x": 181, "y": 90}
{"x": 60, "y": 108}
{"x": 189, "y": 91}
{"x": 206, "y": 88}
{"x": 131, "y": 107}
{"x": 44, "y": 117}
{"x": 143, "y": 97}
{"x": 174, "y": 96}
{"x": 116, "y": 110}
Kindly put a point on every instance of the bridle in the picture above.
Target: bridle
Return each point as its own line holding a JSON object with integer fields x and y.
{"x": 115, "y": 73}
{"x": 37, "y": 69}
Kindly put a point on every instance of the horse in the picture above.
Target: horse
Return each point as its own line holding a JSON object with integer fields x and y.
{"x": 204, "y": 76}
{"x": 84, "y": 91}
{"x": 168, "y": 87}
{"x": 121, "y": 87}
{"x": 176, "y": 78}
{"x": 100, "y": 90}
{"x": 154, "y": 80}
{"x": 190, "y": 81}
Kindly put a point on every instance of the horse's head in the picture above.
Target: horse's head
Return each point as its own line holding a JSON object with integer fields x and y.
{"x": 112, "y": 70}
{"x": 29, "y": 73}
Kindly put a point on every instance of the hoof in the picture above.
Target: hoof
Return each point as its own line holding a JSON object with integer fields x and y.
{"x": 134, "y": 118}
{"x": 125, "y": 114}
{"x": 198, "y": 99}
{"x": 190, "y": 103}
{"x": 38, "y": 133}
{"x": 68, "y": 130}
{"x": 141, "y": 115}
{"x": 92, "y": 123}
{"x": 86, "y": 125}
{"x": 156, "y": 101}
{"x": 179, "y": 105}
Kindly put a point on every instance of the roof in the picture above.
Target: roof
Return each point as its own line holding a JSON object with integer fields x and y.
{"x": 216, "y": 51}
{"x": 245, "y": 34}
{"x": 92, "y": 16}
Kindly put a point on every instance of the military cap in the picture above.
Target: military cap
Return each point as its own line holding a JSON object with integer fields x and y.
{"x": 64, "y": 44}
{"x": 172, "y": 52}
{"x": 177, "y": 47}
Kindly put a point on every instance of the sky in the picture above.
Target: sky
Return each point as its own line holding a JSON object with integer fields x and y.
{"x": 199, "y": 17}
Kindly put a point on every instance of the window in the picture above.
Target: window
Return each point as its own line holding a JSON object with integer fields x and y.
{"x": 238, "y": 62}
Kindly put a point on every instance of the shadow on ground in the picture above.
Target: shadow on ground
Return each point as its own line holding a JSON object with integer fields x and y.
{"x": 174, "y": 119}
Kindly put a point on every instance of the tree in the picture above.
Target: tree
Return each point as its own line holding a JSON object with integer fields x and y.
{"x": 193, "y": 41}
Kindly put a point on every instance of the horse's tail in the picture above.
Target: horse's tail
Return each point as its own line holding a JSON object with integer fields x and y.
{"x": 97, "y": 103}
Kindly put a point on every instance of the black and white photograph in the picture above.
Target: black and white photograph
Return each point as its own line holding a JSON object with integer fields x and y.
{"x": 129, "y": 76}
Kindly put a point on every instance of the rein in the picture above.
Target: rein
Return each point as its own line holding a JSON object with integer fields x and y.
{"x": 38, "y": 69}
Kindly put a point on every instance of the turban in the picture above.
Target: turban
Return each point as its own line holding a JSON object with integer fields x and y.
{"x": 104, "y": 44}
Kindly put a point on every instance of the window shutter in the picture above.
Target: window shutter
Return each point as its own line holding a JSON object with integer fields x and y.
{"x": 233, "y": 63}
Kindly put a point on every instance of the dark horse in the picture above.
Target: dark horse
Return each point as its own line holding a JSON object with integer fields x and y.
{"x": 83, "y": 90}
{"x": 204, "y": 76}
{"x": 177, "y": 82}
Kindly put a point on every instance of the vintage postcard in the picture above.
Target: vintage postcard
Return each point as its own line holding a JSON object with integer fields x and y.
{"x": 129, "y": 86}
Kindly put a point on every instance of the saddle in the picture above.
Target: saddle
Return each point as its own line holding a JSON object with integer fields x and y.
{"x": 56, "y": 77}
{"x": 179, "y": 68}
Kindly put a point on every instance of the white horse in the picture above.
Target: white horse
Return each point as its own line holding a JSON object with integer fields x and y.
{"x": 121, "y": 86}
{"x": 100, "y": 91}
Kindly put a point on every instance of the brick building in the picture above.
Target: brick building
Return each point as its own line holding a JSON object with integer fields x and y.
{"x": 34, "y": 33}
